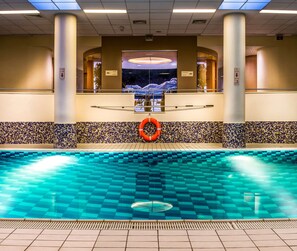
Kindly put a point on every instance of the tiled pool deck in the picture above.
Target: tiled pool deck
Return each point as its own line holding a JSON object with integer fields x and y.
{"x": 263, "y": 239}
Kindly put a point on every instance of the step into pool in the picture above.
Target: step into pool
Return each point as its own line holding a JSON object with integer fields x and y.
{"x": 212, "y": 184}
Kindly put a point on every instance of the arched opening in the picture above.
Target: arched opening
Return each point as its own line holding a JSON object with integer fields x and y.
{"x": 207, "y": 70}
{"x": 92, "y": 70}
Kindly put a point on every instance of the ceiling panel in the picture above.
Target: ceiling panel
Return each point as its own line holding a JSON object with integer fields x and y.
{"x": 157, "y": 13}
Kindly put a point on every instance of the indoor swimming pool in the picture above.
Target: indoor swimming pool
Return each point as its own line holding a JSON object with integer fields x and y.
{"x": 210, "y": 184}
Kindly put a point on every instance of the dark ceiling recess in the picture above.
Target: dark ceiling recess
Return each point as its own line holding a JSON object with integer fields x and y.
{"x": 199, "y": 21}
{"x": 139, "y": 21}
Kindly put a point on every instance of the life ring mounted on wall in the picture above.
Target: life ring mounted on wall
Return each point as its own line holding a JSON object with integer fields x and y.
{"x": 149, "y": 137}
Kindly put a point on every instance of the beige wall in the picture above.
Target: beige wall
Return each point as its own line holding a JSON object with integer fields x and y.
{"x": 277, "y": 67}
{"x": 251, "y": 73}
{"x": 112, "y": 48}
{"x": 26, "y": 62}
{"x": 40, "y": 107}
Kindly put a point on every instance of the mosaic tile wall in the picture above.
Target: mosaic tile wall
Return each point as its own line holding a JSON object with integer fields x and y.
{"x": 26, "y": 132}
{"x": 127, "y": 132}
{"x": 65, "y": 136}
{"x": 233, "y": 135}
{"x": 271, "y": 132}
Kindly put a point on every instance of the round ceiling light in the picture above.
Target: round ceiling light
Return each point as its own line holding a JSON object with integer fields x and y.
{"x": 149, "y": 60}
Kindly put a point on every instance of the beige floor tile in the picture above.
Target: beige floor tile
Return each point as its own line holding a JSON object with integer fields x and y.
{"x": 52, "y": 237}
{"x": 143, "y": 244}
{"x": 82, "y": 237}
{"x": 3, "y": 236}
{"x": 110, "y": 249}
{"x": 113, "y": 232}
{"x": 202, "y": 232}
{"x": 204, "y": 238}
{"x": 259, "y": 231}
{"x": 264, "y": 237}
{"x": 209, "y": 249}
{"x": 291, "y": 242}
{"x": 112, "y": 238}
{"x": 241, "y": 249}
{"x": 206, "y": 244}
{"x": 43, "y": 249}
{"x": 79, "y": 244}
{"x": 143, "y": 238}
{"x": 174, "y": 244}
{"x": 275, "y": 249}
{"x": 234, "y": 238}
{"x": 270, "y": 243}
{"x": 45, "y": 243}
{"x": 55, "y": 231}
{"x": 173, "y": 232}
{"x": 173, "y": 238}
{"x": 231, "y": 232}
{"x": 14, "y": 236}
{"x": 143, "y": 232}
{"x": 27, "y": 231}
{"x": 74, "y": 249}
{"x": 6, "y": 230}
{"x": 176, "y": 249}
{"x": 288, "y": 236}
{"x": 85, "y": 232}
{"x": 294, "y": 248}
{"x": 13, "y": 248}
{"x": 238, "y": 244}
{"x": 286, "y": 231}
{"x": 108, "y": 244}
{"x": 141, "y": 249}
{"x": 16, "y": 242}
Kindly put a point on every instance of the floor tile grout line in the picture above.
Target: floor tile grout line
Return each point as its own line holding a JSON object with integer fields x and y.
{"x": 244, "y": 230}
{"x": 281, "y": 238}
{"x": 216, "y": 231}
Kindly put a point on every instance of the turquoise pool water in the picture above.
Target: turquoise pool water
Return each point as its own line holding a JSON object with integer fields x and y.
{"x": 198, "y": 185}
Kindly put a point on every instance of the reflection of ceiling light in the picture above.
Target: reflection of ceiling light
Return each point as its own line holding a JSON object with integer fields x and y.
{"x": 149, "y": 60}
{"x": 7, "y": 12}
{"x": 279, "y": 11}
{"x": 194, "y": 10}
{"x": 105, "y": 11}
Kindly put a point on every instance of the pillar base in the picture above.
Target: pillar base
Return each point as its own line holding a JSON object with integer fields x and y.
{"x": 234, "y": 135}
{"x": 65, "y": 136}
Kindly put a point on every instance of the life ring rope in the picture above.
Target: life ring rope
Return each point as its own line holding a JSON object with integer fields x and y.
{"x": 149, "y": 137}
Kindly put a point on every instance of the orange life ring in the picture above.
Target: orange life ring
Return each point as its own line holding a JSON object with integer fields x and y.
{"x": 145, "y": 136}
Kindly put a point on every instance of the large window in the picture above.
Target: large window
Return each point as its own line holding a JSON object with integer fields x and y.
{"x": 149, "y": 74}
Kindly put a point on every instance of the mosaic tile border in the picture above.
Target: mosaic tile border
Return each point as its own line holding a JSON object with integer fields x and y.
{"x": 282, "y": 132}
{"x": 26, "y": 132}
{"x": 127, "y": 132}
{"x": 65, "y": 136}
{"x": 234, "y": 135}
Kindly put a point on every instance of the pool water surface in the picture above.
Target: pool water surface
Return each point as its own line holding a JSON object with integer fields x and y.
{"x": 195, "y": 184}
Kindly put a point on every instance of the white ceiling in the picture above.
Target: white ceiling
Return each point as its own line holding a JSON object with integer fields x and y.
{"x": 157, "y": 13}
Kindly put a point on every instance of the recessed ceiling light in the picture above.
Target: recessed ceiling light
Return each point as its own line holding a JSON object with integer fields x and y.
{"x": 8, "y": 12}
{"x": 139, "y": 21}
{"x": 279, "y": 11}
{"x": 104, "y": 11}
{"x": 149, "y": 60}
{"x": 194, "y": 10}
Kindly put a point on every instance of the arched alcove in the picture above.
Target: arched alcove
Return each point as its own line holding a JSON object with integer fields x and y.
{"x": 92, "y": 70}
{"x": 207, "y": 70}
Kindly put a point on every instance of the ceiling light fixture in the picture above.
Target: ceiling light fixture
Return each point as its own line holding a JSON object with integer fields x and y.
{"x": 149, "y": 60}
{"x": 10, "y": 12}
{"x": 278, "y": 11}
{"x": 194, "y": 10}
{"x": 101, "y": 11}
